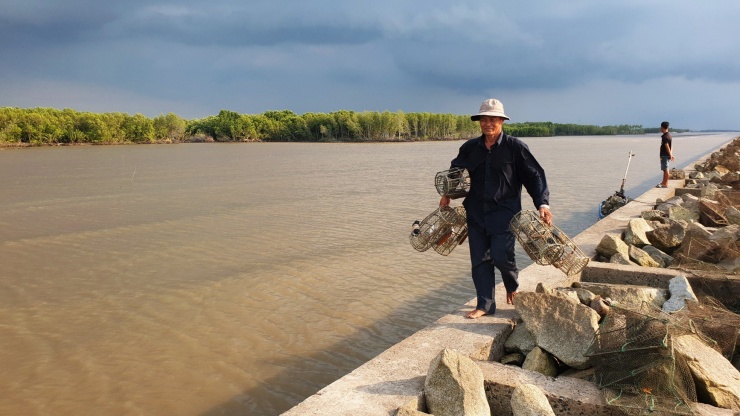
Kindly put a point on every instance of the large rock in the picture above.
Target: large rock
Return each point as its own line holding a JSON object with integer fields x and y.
{"x": 520, "y": 340}
{"x": 620, "y": 258}
{"x": 722, "y": 170}
{"x": 680, "y": 292}
{"x": 611, "y": 245}
{"x": 585, "y": 296}
{"x": 733, "y": 215}
{"x": 540, "y": 361}
{"x": 409, "y": 410}
{"x": 667, "y": 238}
{"x": 569, "y": 293}
{"x": 454, "y": 386}
{"x": 628, "y": 295}
{"x": 654, "y": 215}
{"x": 514, "y": 358}
{"x": 565, "y": 294}
{"x": 559, "y": 326}
{"x": 679, "y": 213}
{"x": 642, "y": 258}
{"x": 731, "y": 264}
{"x": 663, "y": 259}
{"x": 529, "y": 400}
{"x": 717, "y": 381}
{"x": 672, "y": 202}
{"x": 634, "y": 234}
{"x": 690, "y": 202}
{"x": 709, "y": 190}
{"x": 697, "y": 230}
{"x": 730, "y": 233}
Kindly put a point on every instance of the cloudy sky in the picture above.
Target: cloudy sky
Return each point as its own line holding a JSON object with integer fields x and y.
{"x": 570, "y": 61}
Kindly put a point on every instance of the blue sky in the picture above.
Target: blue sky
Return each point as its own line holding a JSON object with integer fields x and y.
{"x": 587, "y": 62}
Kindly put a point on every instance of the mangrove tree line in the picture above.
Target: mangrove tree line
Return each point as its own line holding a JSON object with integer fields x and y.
{"x": 37, "y": 126}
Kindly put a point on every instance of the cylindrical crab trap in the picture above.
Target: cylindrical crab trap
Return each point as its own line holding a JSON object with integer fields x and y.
{"x": 547, "y": 245}
{"x": 454, "y": 183}
{"x": 443, "y": 230}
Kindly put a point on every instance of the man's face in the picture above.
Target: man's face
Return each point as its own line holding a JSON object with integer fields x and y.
{"x": 491, "y": 125}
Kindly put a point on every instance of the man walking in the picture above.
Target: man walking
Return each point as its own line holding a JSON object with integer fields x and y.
{"x": 499, "y": 165}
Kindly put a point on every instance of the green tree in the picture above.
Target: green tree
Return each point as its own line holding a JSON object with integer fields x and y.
{"x": 169, "y": 127}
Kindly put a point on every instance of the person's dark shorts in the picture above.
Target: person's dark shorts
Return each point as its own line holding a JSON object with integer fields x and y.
{"x": 664, "y": 162}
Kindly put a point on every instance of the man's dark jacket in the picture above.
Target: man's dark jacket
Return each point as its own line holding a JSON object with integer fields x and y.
{"x": 496, "y": 178}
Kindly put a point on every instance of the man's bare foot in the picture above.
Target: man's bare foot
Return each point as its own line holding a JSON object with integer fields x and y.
{"x": 475, "y": 314}
{"x": 510, "y": 297}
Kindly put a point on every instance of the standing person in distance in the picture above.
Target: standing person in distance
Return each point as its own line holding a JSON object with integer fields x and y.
{"x": 666, "y": 153}
{"x": 499, "y": 165}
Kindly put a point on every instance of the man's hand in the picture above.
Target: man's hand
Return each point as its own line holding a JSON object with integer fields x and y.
{"x": 444, "y": 201}
{"x": 546, "y": 215}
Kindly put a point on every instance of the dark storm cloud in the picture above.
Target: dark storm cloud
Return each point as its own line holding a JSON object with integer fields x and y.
{"x": 540, "y": 47}
{"x": 323, "y": 55}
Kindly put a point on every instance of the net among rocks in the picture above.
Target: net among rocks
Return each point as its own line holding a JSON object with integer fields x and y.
{"x": 636, "y": 365}
{"x": 703, "y": 254}
{"x": 716, "y": 322}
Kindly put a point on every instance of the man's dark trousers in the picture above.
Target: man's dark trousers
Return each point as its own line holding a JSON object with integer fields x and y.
{"x": 486, "y": 252}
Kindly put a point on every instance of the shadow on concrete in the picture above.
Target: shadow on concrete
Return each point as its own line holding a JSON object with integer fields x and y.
{"x": 391, "y": 387}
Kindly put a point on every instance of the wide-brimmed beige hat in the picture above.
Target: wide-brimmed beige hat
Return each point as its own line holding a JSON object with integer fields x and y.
{"x": 490, "y": 107}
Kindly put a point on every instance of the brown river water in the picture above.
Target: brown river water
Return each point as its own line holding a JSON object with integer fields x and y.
{"x": 239, "y": 279}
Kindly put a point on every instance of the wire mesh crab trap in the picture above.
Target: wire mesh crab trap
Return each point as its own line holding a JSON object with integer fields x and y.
{"x": 636, "y": 365}
{"x": 443, "y": 230}
{"x": 547, "y": 244}
{"x": 454, "y": 182}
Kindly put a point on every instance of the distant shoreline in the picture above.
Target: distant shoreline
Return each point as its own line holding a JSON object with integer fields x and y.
{"x": 24, "y": 127}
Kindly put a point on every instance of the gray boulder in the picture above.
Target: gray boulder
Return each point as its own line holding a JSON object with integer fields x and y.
{"x": 672, "y": 202}
{"x": 540, "y": 361}
{"x": 680, "y": 292}
{"x": 585, "y": 296}
{"x": 562, "y": 327}
{"x": 733, "y": 215}
{"x": 653, "y": 215}
{"x": 642, "y": 258}
{"x": 629, "y": 295}
{"x": 663, "y": 259}
{"x": 529, "y": 400}
{"x": 611, "y": 245}
{"x": 569, "y": 293}
{"x": 410, "y": 410}
{"x": 634, "y": 234}
{"x": 619, "y": 258}
{"x": 698, "y": 231}
{"x": 679, "y": 213}
{"x": 514, "y": 358}
{"x": 454, "y": 386}
{"x": 667, "y": 238}
{"x": 731, "y": 233}
{"x": 708, "y": 190}
{"x": 690, "y": 202}
{"x": 717, "y": 381}
{"x": 520, "y": 340}
{"x": 731, "y": 264}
